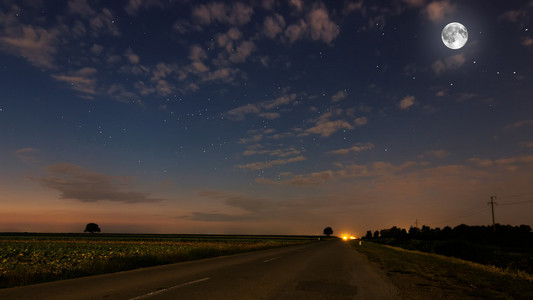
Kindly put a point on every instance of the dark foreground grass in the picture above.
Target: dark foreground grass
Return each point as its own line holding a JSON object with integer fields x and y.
{"x": 449, "y": 273}
{"x": 28, "y": 259}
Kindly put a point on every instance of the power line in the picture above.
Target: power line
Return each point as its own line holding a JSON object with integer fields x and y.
{"x": 463, "y": 214}
{"x": 518, "y": 202}
{"x": 516, "y": 196}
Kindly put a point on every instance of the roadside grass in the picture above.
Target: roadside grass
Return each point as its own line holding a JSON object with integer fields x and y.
{"x": 34, "y": 259}
{"x": 450, "y": 273}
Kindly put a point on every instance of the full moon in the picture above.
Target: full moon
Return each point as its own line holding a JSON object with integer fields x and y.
{"x": 454, "y": 35}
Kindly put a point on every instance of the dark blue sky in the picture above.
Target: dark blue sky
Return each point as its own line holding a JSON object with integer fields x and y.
{"x": 263, "y": 116}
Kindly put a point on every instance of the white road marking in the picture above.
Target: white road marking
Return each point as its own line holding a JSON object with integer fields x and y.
{"x": 269, "y": 260}
{"x": 168, "y": 289}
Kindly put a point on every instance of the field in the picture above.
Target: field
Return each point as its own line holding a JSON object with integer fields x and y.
{"x": 33, "y": 258}
{"x": 421, "y": 275}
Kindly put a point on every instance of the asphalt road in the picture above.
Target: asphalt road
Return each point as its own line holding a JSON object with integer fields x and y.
{"x": 321, "y": 270}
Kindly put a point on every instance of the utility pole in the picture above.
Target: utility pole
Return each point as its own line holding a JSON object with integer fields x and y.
{"x": 416, "y": 224}
{"x": 492, "y": 198}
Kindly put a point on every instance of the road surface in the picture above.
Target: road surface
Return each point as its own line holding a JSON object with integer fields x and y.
{"x": 321, "y": 270}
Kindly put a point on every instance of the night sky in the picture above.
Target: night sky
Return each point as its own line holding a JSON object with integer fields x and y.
{"x": 263, "y": 117}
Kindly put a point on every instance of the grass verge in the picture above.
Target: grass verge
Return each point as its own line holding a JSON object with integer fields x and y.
{"x": 442, "y": 273}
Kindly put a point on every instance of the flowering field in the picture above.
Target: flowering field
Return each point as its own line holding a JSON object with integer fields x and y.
{"x": 32, "y": 259}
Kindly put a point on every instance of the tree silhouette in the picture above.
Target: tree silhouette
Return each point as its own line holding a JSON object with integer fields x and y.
{"x": 92, "y": 228}
{"x": 328, "y": 231}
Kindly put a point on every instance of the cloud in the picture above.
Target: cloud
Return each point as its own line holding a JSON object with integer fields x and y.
{"x": 317, "y": 26}
{"x": 134, "y": 6}
{"x": 82, "y": 80}
{"x": 120, "y": 93}
{"x": 273, "y": 25}
{"x": 326, "y": 127}
{"x": 339, "y": 96}
{"x": 254, "y": 139}
{"x": 520, "y": 16}
{"x": 297, "y": 4}
{"x": 261, "y": 109}
{"x": 253, "y": 209}
{"x": 35, "y": 44}
{"x": 359, "y": 147}
{"x": 27, "y": 155}
{"x": 452, "y": 62}
{"x": 162, "y": 71}
{"x": 466, "y": 96}
{"x": 361, "y": 121}
{"x": 235, "y": 14}
{"x": 312, "y": 179}
{"x": 508, "y": 163}
{"x": 373, "y": 170}
{"x": 197, "y": 53}
{"x": 321, "y": 27}
{"x": 480, "y": 162}
{"x": 235, "y": 49}
{"x": 244, "y": 49}
{"x": 248, "y": 204}
{"x": 438, "y": 153}
{"x": 350, "y": 7}
{"x": 99, "y": 22}
{"x": 255, "y": 150}
{"x": 75, "y": 182}
{"x": 132, "y": 57}
{"x": 269, "y": 164}
{"x": 287, "y": 212}
{"x": 519, "y": 124}
{"x": 296, "y": 31}
{"x": 437, "y": 11}
{"x": 97, "y": 49}
{"x": 406, "y": 102}
{"x": 238, "y": 114}
{"x": 414, "y": 3}
{"x": 270, "y": 115}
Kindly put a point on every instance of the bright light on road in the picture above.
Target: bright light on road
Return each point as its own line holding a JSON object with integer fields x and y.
{"x": 348, "y": 237}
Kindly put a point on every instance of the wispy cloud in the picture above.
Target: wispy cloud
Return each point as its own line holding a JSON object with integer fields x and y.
{"x": 82, "y": 80}
{"x": 36, "y": 44}
{"x": 255, "y": 149}
{"x": 27, "y": 155}
{"x": 236, "y": 14}
{"x": 406, "y": 102}
{"x": 77, "y": 183}
{"x": 436, "y": 11}
{"x": 332, "y": 121}
{"x": 339, "y": 96}
{"x": 509, "y": 163}
{"x": 441, "y": 153}
{"x": 247, "y": 208}
{"x": 273, "y": 25}
{"x": 450, "y": 63}
{"x": 520, "y": 124}
{"x": 269, "y": 164}
{"x": 262, "y": 109}
{"x": 414, "y": 3}
{"x": 325, "y": 127}
{"x": 317, "y": 25}
{"x": 359, "y": 147}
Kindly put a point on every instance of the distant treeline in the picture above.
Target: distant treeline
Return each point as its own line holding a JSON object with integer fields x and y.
{"x": 504, "y": 246}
